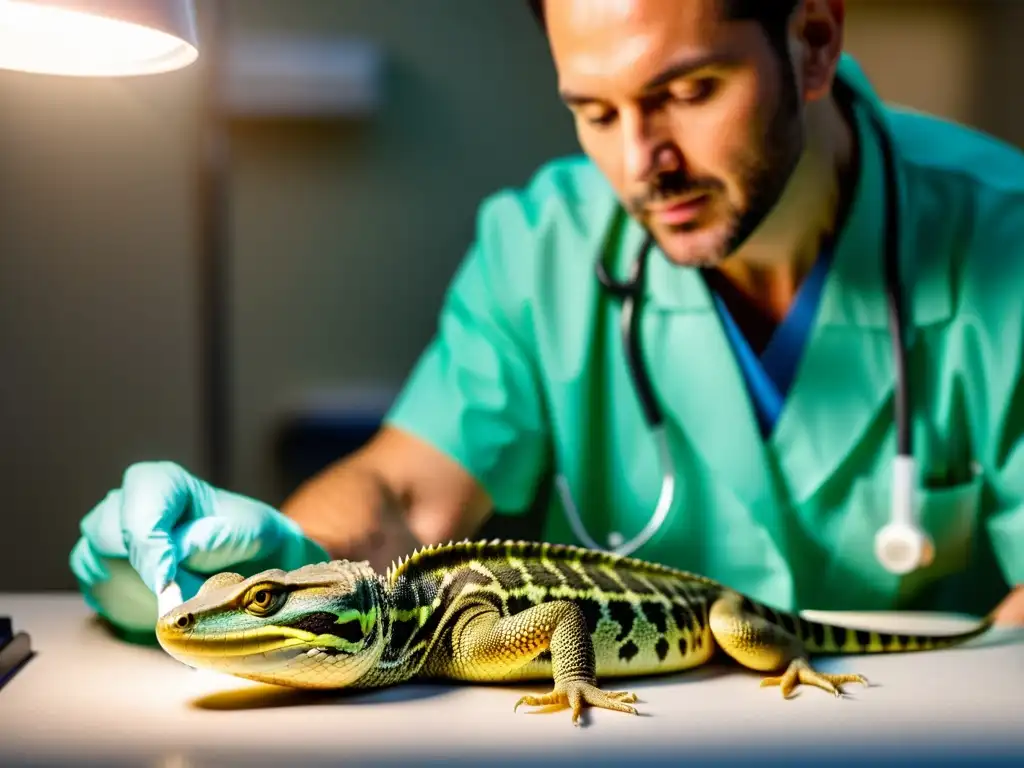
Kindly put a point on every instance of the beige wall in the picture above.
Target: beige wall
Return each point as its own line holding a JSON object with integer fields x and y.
{"x": 346, "y": 235}
{"x": 921, "y": 54}
{"x": 98, "y": 297}
{"x": 97, "y": 302}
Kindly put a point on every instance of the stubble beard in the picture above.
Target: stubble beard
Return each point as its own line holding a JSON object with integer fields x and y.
{"x": 763, "y": 173}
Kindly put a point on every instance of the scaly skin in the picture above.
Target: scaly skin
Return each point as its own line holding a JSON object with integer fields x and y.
{"x": 501, "y": 612}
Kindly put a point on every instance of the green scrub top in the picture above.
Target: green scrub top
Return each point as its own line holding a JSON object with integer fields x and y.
{"x": 526, "y": 378}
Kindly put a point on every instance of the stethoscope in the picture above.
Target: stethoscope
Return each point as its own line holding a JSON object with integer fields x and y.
{"x": 902, "y": 544}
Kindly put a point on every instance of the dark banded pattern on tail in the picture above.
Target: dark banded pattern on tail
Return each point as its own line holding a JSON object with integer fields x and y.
{"x": 831, "y": 640}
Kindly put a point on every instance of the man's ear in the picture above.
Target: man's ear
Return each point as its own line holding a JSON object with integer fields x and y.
{"x": 817, "y": 27}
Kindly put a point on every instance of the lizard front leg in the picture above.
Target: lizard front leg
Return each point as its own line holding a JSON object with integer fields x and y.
{"x": 758, "y": 644}
{"x": 487, "y": 646}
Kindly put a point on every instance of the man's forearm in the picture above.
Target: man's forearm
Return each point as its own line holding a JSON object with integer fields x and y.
{"x": 353, "y": 514}
{"x": 1010, "y": 611}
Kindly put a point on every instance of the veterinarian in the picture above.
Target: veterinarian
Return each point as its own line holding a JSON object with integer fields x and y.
{"x": 766, "y": 327}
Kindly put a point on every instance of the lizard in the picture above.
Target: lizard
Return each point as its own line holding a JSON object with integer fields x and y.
{"x": 503, "y": 611}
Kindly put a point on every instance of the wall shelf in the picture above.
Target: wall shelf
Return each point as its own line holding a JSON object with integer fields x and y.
{"x": 282, "y": 77}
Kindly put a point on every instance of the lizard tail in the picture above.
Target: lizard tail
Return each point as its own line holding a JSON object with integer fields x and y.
{"x": 832, "y": 639}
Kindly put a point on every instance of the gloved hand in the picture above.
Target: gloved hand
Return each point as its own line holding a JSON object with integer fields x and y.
{"x": 163, "y": 525}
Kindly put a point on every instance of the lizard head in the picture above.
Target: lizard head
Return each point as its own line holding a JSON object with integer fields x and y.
{"x": 314, "y": 627}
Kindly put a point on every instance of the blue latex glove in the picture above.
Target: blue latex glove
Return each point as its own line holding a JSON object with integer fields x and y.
{"x": 164, "y": 524}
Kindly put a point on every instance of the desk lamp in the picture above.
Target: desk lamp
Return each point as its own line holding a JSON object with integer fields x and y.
{"x": 89, "y": 38}
{"x": 97, "y": 37}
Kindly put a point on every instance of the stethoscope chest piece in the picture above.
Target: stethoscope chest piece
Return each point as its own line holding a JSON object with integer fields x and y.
{"x": 902, "y": 548}
{"x": 902, "y": 545}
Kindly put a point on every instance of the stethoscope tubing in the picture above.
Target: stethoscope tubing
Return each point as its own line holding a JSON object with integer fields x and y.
{"x": 630, "y": 293}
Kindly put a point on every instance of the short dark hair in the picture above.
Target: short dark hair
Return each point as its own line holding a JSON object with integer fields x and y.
{"x": 772, "y": 15}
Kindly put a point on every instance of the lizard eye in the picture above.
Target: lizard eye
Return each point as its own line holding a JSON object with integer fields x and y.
{"x": 263, "y": 600}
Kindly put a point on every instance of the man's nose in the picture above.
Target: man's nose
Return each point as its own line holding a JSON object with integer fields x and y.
{"x": 648, "y": 149}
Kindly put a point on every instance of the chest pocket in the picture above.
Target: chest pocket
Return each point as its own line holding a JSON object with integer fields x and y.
{"x": 949, "y": 514}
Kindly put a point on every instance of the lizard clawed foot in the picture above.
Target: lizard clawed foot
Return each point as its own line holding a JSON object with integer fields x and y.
{"x": 577, "y": 692}
{"x": 800, "y": 672}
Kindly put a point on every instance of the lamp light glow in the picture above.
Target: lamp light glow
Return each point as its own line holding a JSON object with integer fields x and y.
{"x": 97, "y": 37}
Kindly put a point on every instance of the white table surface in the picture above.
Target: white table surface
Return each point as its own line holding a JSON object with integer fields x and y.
{"x": 87, "y": 698}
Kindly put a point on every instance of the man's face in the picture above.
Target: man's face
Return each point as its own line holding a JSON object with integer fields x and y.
{"x": 693, "y": 118}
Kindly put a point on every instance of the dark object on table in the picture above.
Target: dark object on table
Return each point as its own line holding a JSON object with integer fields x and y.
{"x": 15, "y": 650}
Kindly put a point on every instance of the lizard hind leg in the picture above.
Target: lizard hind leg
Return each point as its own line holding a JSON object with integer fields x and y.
{"x": 764, "y": 646}
{"x": 799, "y": 671}
{"x": 491, "y": 647}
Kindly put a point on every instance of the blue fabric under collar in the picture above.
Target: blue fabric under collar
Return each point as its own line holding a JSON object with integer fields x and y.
{"x": 769, "y": 377}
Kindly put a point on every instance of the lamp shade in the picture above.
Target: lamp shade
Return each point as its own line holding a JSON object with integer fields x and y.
{"x": 97, "y": 37}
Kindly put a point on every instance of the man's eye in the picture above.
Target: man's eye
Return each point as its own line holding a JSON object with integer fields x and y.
{"x": 695, "y": 91}
{"x": 600, "y": 118}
